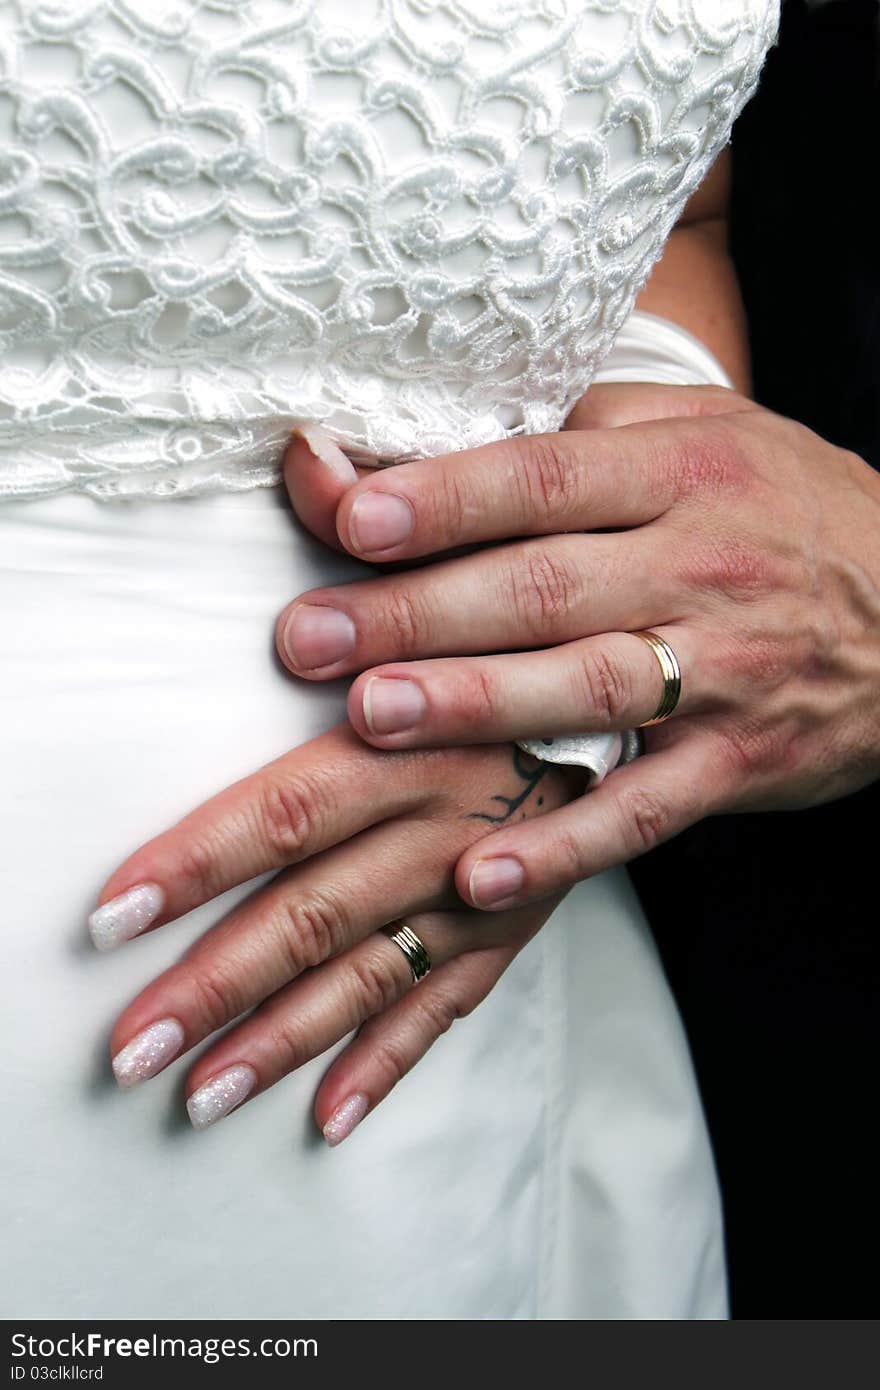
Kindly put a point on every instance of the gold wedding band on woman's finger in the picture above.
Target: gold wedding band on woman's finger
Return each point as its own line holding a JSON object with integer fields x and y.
{"x": 412, "y": 947}
{"x": 671, "y": 671}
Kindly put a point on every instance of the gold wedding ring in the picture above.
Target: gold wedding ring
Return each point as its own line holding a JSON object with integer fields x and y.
{"x": 671, "y": 670}
{"x": 412, "y": 947}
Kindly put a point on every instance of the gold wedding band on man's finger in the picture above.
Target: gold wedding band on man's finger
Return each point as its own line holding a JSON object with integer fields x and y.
{"x": 671, "y": 672}
{"x": 599, "y": 683}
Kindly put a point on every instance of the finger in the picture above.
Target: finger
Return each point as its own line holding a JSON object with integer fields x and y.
{"x": 390, "y": 1044}
{"x": 635, "y": 808}
{"x": 599, "y": 684}
{"x": 295, "y": 806}
{"x": 608, "y": 405}
{"x": 302, "y": 918}
{"x": 317, "y": 474}
{"x": 530, "y": 594}
{"x": 317, "y": 1010}
{"x": 304, "y": 1018}
{"x": 528, "y": 485}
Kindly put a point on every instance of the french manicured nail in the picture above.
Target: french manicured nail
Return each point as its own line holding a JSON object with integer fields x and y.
{"x": 345, "y": 1117}
{"x": 379, "y": 520}
{"x": 319, "y": 443}
{"x": 390, "y": 706}
{"x": 316, "y": 636}
{"x": 148, "y": 1053}
{"x": 494, "y": 880}
{"x": 125, "y": 916}
{"x": 221, "y": 1094}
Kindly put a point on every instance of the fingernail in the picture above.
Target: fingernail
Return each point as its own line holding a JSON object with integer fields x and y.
{"x": 494, "y": 880}
{"x": 379, "y": 520}
{"x": 390, "y": 706}
{"x": 319, "y": 443}
{"x": 345, "y": 1117}
{"x": 148, "y": 1053}
{"x": 220, "y": 1095}
{"x": 316, "y": 636}
{"x": 125, "y": 916}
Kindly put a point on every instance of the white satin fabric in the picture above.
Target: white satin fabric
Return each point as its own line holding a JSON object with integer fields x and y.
{"x": 547, "y": 1159}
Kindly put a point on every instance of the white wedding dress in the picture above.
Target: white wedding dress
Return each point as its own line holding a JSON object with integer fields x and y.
{"x": 423, "y": 223}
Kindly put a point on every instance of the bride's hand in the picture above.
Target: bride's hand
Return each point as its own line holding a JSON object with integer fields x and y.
{"x": 362, "y": 838}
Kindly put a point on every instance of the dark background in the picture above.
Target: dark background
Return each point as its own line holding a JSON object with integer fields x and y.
{"x": 768, "y": 924}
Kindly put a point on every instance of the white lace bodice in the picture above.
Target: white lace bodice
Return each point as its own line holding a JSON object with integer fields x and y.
{"x": 420, "y": 222}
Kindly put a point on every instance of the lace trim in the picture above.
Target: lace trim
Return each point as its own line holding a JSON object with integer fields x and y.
{"x": 420, "y": 222}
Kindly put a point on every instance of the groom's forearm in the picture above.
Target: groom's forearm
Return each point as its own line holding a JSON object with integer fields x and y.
{"x": 694, "y": 283}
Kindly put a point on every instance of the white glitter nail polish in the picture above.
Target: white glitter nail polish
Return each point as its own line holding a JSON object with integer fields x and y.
{"x": 220, "y": 1095}
{"x": 345, "y": 1117}
{"x": 126, "y": 915}
{"x": 148, "y": 1053}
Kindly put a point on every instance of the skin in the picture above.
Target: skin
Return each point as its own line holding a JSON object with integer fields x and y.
{"x": 359, "y": 838}
{"x": 744, "y": 539}
{"x": 694, "y": 283}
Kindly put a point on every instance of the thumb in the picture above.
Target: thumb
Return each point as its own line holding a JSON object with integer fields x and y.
{"x": 317, "y": 474}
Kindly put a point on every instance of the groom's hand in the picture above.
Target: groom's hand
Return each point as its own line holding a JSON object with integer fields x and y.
{"x": 748, "y": 543}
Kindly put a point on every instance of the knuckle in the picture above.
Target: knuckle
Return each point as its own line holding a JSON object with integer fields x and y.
{"x": 752, "y": 747}
{"x": 568, "y": 856}
{"x": 391, "y": 1057}
{"x": 477, "y": 698}
{"x": 758, "y": 663}
{"x": 470, "y": 999}
{"x": 440, "y": 1010}
{"x": 199, "y": 864}
{"x": 605, "y": 686}
{"x": 710, "y": 458}
{"x": 312, "y": 929}
{"x": 453, "y": 503}
{"x": 218, "y": 996}
{"x": 770, "y": 654}
{"x": 376, "y": 983}
{"x": 289, "y": 1042}
{"x": 402, "y": 618}
{"x": 647, "y": 818}
{"x": 542, "y": 590}
{"x": 287, "y": 813}
{"x": 729, "y": 566}
{"x": 546, "y": 478}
